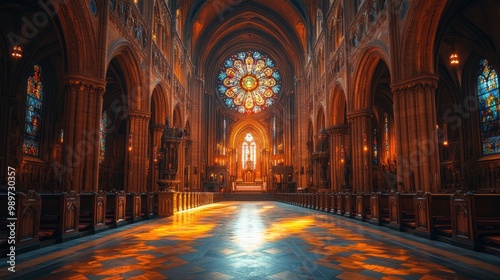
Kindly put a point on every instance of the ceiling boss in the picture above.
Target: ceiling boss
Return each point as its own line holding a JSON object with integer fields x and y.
{"x": 249, "y": 82}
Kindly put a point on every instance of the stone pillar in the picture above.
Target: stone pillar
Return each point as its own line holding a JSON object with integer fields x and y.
{"x": 416, "y": 134}
{"x": 82, "y": 114}
{"x": 361, "y": 163}
{"x": 155, "y": 144}
{"x": 337, "y": 136}
{"x": 137, "y": 156}
{"x": 303, "y": 115}
{"x": 182, "y": 165}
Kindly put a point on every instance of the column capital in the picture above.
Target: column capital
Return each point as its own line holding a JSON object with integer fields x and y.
{"x": 428, "y": 82}
{"x": 137, "y": 114}
{"x": 157, "y": 127}
{"x": 337, "y": 129}
{"x": 84, "y": 80}
{"x": 360, "y": 114}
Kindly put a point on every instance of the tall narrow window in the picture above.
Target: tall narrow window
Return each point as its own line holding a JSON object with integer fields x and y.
{"x": 489, "y": 102}
{"x": 102, "y": 137}
{"x": 33, "y": 113}
{"x": 249, "y": 152}
{"x": 386, "y": 136}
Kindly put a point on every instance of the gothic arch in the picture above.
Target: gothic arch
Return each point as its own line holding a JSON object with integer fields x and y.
{"x": 123, "y": 52}
{"x": 320, "y": 120}
{"x": 159, "y": 105}
{"x": 177, "y": 119}
{"x": 243, "y": 127}
{"x": 74, "y": 16}
{"x": 421, "y": 26}
{"x": 338, "y": 104}
{"x": 361, "y": 96}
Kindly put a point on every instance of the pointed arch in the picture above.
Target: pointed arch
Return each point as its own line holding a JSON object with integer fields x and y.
{"x": 365, "y": 69}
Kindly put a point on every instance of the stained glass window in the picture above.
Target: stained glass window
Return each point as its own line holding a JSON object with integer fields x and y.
{"x": 386, "y": 135}
{"x": 248, "y": 152}
{"x": 489, "y": 102}
{"x": 375, "y": 147}
{"x": 249, "y": 82}
{"x": 102, "y": 137}
{"x": 33, "y": 113}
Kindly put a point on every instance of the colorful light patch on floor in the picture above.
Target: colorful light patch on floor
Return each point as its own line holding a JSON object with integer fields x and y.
{"x": 252, "y": 240}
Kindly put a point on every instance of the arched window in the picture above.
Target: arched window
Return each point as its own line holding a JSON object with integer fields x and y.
{"x": 489, "y": 102}
{"x": 33, "y": 113}
{"x": 248, "y": 152}
{"x": 102, "y": 137}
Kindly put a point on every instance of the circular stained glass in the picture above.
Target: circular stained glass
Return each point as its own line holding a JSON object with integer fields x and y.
{"x": 249, "y": 82}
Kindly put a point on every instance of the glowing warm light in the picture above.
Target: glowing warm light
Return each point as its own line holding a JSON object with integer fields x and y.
{"x": 130, "y": 141}
{"x": 17, "y": 52}
{"x": 445, "y": 134}
{"x": 365, "y": 145}
{"x": 341, "y": 153}
{"x": 454, "y": 59}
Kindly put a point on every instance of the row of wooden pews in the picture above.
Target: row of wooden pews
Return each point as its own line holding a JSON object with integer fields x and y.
{"x": 465, "y": 219}
{"x": 48, "y": 218}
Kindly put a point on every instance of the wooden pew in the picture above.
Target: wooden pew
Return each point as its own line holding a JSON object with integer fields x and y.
{"x": 350, "y": 205}
{"x": 379, "y": 205}
{"x": 166, "y": 203}
{"x": 340, "y": 203}
{"x": 133, "y": 208}
{"x": 401, "y": 211}
{"x": 432, "y": 215}
{"x": 27, "y": 209}
{"x": 59, "y": 217}
{"x": 486, "y": 221}
{"x": 91, "y": 219}
{"x": 147, "y": 204}
{"x": 476, "y": 221}
{"x": 115, "y": 209}
{"x": 333, "y": 203}
{"x": 363, "y": 209}
{"x": 327, "y": 202}
{"x": 407, "y": 210}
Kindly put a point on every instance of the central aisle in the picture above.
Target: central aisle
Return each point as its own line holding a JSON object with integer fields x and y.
{"x": 252, "y": 240}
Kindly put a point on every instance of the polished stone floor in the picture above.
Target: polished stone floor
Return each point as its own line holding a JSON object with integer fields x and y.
{"x": 252, "y": 240}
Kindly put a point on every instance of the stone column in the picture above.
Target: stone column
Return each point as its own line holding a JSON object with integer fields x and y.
{"x": 361, "y": 163}
{"x": 337, "y": 135}
{"x": 82, "y": 114}
{"x": 137, "y": 157}
{"x": 155, "y": 144}
{"x": 182, "y": 165}
{"x": 416, "y": 134}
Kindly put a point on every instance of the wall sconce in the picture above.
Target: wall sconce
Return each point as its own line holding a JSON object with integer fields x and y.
{"x": 130, "y": 141}
{"x": 445, "y": 134}
{"x": 454, "y": 59}
{"x": 17, "y": 51}
{"x": 365, "y": 145}
{"x": 341, "y": 153}
{"x": 61, "y": 136}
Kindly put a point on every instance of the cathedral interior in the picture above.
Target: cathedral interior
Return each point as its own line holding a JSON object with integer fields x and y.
{"x": 169, "y": 118}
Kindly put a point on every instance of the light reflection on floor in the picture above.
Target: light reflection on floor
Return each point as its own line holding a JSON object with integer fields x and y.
{"x": 246, "y": 240}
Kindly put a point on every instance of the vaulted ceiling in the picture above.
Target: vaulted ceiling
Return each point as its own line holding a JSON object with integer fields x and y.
{"x": 218, "y": 29}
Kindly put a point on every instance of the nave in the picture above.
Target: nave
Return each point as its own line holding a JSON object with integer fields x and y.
{"x": 252, "y": 240}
